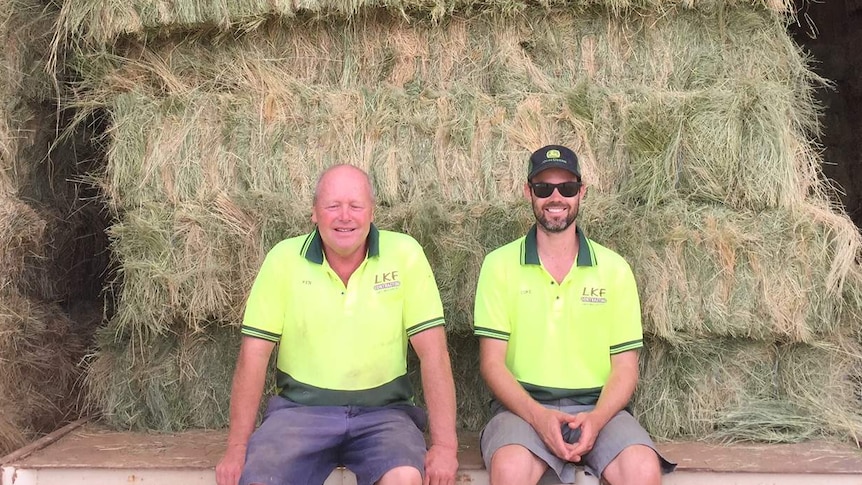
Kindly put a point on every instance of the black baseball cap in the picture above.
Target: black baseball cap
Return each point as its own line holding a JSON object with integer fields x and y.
{"x": 552, "y": 156}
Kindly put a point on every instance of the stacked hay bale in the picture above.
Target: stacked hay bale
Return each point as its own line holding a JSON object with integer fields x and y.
{"x": 39, "y": 348}
{"x": 695, "y": 123}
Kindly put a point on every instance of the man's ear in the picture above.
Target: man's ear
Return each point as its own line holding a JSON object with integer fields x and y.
{"x": 527, "y": 192}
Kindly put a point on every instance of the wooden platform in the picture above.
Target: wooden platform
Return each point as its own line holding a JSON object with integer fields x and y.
{"x": 88, "y": 453}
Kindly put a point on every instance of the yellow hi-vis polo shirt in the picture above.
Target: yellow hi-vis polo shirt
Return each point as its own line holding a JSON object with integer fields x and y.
{"x": 560, "y": 336}
{"x": 343, "y": 345}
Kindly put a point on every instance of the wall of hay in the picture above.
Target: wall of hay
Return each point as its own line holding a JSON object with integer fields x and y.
{"x": 52, "y": 242}
{"x": 696, "y": 126}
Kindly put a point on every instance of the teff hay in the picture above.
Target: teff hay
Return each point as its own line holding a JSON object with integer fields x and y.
{"x": 707, "y": 270}
{"x": 39, "y": 354}
{"x": 451, "y": 110}
{"x": 684, "y": 390}
{"x": 164, "y": 383}
{"x": 179, "y": 265}
{"x": 95, "y": 22}
{"x": 20, "y": 240}
{"x": 472, "y": 396}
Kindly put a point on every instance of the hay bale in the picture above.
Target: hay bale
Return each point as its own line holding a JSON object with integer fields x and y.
{"x": 703, "y": 270}
{"x": 452, "y": 110}
{"x": 823, "y": 381}
{"x": 26, "y": 27}
{"x": 740, "y": 390}
{"x": 39, "y": 354}
{"x": 164, "y": 383}
{"x": 183, "y": 267}
{"x": 20, "y": 239}
{"x": 96, "y": 22}
{"x": 471, "y": 394}
{"x": 684, "y": 390}
{"x": 708, "y": 270}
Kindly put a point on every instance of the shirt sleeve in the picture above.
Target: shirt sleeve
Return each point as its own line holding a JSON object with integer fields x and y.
{"x": 627, "y": 328}
{"x": 422, "y": 307}
{"x": 490, "y": 318}
{"x": 266, "y": 304}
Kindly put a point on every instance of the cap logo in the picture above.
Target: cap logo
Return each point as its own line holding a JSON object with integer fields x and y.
{"x": 552, "y": 154}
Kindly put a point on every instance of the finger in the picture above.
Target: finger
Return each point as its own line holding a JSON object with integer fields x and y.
{"x": 585, "y": 442}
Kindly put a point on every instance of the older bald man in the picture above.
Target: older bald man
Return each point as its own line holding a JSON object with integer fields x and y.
{"x": 342, "y": 303}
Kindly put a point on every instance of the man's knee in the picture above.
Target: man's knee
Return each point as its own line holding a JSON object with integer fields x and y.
{"x": 635, "y": 464}
{"x": 514, "y": 464}
{"x": 407, "y": 475}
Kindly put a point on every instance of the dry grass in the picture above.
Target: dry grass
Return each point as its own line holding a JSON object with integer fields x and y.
{"x": 695, "y": 125}
{"x": 708, "y": 270}
{"x": 39, "y": 354}
{"x": 100, "y": 22}
{"x": 451, "y": 110}
{"x": 740, "y": 390}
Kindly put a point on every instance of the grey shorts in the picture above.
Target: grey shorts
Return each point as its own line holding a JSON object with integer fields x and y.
{"x": 301, "y": 445}
{"x": 623, "y": 430}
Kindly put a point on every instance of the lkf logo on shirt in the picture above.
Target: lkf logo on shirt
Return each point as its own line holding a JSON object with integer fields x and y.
{"x": 594, "y": 295}
{"x": 386, "y": 280}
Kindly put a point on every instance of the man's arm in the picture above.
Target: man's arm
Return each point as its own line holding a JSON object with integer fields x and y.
{"x": 615, "y": 396}
{"x": 504, "y": 386}
{"x": 247, "y": 389}
{"x": 441, "y": 461}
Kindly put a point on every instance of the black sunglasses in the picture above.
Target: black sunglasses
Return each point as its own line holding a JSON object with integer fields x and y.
{"x": 544, "y": 190}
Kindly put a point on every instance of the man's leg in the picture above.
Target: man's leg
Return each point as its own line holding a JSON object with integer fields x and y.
{"x": 635, "y": 464}
{"x": 516, "y": 465}
{"x": 294, "y": 445}
{"x": 400, "y": 476}
{"x": 514, "y": 453}
{"x": 384, "y": 446}
{"x": 624, "y": 453}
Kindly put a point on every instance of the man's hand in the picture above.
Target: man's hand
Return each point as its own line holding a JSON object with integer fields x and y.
{"x": 230, "y": 467}
{"x": 548, "y": 424}
{"x": 590, "y": 425}
{"x": 441, "y": 465}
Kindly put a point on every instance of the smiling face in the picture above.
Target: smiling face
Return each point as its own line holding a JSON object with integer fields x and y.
{"x": 343, "y": 210}
{"x": 555, "y": 213}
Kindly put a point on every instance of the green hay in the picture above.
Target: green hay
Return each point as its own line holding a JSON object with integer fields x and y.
{"x": 103, "y": 22}
{"x": 164, "y": 383}
{"x": 736, "y": 390}
{"x": 20, "y": 240}
{"x": 455, "y": 239}
{"x": 684, "y": 390}
{"x": 26, "y": 30}
{"x": 453, "y": 110}
{"x": 39, "y": 356}
{"x": 703, "y": 270}
{"x": 706, "y": 270}
{"x": 822, "y": 380}
{"x": 472, "y": 396}
{"x": 767, "y": 421}
{"x": 179, "y": 267}
{"x": 26, "y": 27}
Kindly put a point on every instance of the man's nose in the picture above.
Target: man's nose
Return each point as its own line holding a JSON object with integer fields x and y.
{"x": 343, "y": 213}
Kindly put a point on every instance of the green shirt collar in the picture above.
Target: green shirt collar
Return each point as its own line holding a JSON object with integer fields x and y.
{"x": 312, "y": 248}
{"x": 530, "y": 250}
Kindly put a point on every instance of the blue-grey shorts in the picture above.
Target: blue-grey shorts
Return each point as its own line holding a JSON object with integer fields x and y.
{"x": 302, "y": 445}
{"x": 623, "y": 430}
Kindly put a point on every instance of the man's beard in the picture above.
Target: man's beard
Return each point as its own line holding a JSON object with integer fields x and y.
{"x": 554, "y": 226}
